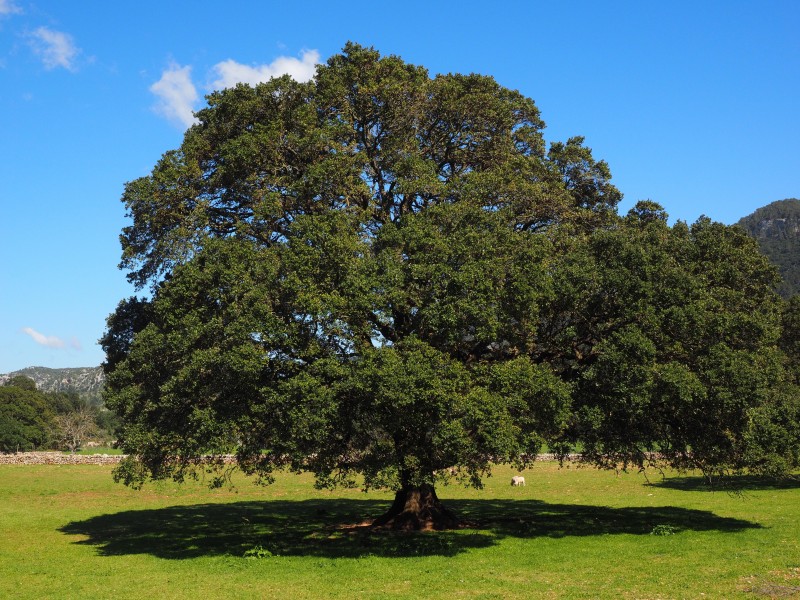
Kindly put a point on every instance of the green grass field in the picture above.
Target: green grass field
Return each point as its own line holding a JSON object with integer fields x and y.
{"x": 70, "y": 532}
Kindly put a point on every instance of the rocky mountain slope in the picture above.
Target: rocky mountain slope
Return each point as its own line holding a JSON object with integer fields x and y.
{"x": 86, "y": 381}
{"x": 776, "y": 226}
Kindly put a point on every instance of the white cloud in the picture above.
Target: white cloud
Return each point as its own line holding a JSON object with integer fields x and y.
{"x": 50, "y": 341}
{"x": 230, "y": 72}
{"x": 177, "y": 95}
{"x": 7, "y": 7}
{"x": 55, "y": 48}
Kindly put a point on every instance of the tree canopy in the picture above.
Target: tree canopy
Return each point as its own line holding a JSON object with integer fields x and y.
{"x": 389, "y": 279}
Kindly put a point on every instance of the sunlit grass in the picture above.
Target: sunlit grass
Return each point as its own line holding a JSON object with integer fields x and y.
{"x": 70, "y": 532}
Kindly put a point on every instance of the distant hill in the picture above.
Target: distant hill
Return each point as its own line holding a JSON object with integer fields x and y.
{"x": 776, "y": 226}
{"x": 86, "y": 381}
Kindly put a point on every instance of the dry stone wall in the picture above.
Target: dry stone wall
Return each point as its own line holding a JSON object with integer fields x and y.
{"x": 59, "y": 458}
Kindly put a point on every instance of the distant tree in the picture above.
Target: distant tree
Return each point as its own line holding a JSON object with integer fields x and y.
{"x": 71, "y": 430}
{"x": 107, "y": 422}
{"x": 22, "y": 382}
{"x": 25, "y": 418}
{"x": 65, "y": 402}
{"x": 386, "y": 275}
{"x": 77, "y": 419}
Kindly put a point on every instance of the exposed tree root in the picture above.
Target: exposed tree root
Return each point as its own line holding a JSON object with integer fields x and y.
{"x": 417, "y": 509}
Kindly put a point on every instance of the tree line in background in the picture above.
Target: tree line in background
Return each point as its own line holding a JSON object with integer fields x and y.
{"x": 35, "y": 420}
{"x": 391, "y": 280}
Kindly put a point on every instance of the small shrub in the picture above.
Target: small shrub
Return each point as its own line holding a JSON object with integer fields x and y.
{"x": 258, "y": 552}
{"x": 664, "y": 530}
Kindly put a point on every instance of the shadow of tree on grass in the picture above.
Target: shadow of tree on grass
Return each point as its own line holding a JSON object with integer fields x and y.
{"x": 731, "y": 483}
{"x": 324, "y": 528}
{"x": 540, "y": 519}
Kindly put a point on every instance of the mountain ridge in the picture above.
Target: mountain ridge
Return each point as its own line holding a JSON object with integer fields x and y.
{"x": 776, "y": 227}
{"x": 87, "y": 382}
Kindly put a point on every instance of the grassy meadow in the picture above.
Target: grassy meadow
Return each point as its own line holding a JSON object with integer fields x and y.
{"x": 70, "y": 532}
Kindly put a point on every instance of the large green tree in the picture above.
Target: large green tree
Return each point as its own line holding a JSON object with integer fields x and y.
{"x": 388, "y": 278}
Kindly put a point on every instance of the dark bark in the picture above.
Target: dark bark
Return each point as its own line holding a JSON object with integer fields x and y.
{"x": 417, "y": 508}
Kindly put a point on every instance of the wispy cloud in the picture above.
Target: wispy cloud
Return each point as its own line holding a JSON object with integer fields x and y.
{"x": 8, "y": 7}
{"x": 55, "y": 48}
{"x": 230, "y": 72}
{"x": 176, "y": 94}
{"x": 49, "y": 341}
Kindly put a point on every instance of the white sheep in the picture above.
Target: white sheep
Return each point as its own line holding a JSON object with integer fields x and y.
{"x": 518, "y": 480}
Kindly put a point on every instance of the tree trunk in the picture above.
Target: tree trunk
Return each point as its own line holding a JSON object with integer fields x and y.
{"x": 417, "y": 508}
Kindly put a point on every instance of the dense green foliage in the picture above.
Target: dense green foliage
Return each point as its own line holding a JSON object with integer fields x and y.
{"x": 776, "y": 226}
{"x": 790, "y": 335}
{"x": 25, "y": 417}
{"x": 676, "y": 349}
{"x": 384, "y": 274}
{"x": 34, "y": 420}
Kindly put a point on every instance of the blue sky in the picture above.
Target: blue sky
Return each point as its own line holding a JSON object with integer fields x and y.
{"x": 693, "y": 104}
